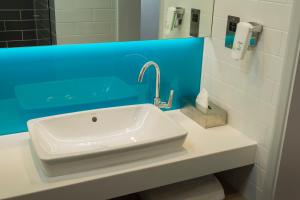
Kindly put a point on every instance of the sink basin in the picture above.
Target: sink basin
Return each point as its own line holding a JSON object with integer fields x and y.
{"x": 87, "y": 140}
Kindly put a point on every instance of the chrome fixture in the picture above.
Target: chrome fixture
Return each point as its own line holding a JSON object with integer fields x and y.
{"x": 157, "y": 100}
{"x": 179, "y": 16}
{"x": 256, "y": 33}
{"x": 232, "y": 23}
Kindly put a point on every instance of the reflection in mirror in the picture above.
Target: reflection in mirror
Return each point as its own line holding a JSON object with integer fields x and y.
{"x": 25, "y": 23}
{"x": 197, "y": 14}
{"x": 51, "y": 22}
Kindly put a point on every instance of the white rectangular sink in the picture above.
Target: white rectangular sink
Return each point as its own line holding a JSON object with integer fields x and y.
{"x": 88, "y": 140}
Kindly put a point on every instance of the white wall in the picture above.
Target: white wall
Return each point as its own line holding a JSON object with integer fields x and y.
{"x": 289, "y": 177}
{"x": 150, "y": 19}
{"x": 286, "y": 174}
{"x": 249, "y": 90}
{"x": 129, "y": 20}
{"x": 85, "y": 21}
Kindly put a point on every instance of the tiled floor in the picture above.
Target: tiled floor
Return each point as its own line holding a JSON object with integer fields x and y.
{"x": 135, "y": 197}
{"x": 230, "y": 192}
{"x": 234, "y": 197}
{"x": 128, "y": 197}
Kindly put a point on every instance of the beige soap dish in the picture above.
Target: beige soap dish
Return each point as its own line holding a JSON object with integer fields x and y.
{"x": 214, "y": 117}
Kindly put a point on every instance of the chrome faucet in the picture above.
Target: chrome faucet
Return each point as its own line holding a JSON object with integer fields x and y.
{"x": 157, "y": 100}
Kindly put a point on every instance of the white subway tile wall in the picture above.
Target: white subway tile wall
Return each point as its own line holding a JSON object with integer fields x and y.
{"x": 87, "y": 21}
{"x": 249, "y": 89}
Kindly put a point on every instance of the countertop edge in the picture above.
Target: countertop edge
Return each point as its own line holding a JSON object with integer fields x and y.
{"x": 238, "y": 151}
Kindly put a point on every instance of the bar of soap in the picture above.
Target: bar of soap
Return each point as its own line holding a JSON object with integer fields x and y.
{"x": 214, "y": 117}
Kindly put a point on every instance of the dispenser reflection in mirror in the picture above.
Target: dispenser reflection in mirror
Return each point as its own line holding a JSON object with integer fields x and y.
{"x": 174, "y": 19}
{"x": 182, "y": 19}
{"x": 99, "y": 21}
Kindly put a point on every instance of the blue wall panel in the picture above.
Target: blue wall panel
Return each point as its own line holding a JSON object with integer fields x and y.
{"x": 42, "y": 81}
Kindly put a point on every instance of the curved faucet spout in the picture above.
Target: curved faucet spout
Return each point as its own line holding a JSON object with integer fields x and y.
{"x": 157, "y": 100}
{"x": 157, "y": 70}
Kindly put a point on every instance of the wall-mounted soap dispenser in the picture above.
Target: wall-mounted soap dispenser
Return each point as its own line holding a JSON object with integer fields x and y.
{"x": 241, "y": 36}
{"x": 174, "y": 19}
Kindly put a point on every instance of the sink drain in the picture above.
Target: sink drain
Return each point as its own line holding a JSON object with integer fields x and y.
{"x": 94, "y": 119}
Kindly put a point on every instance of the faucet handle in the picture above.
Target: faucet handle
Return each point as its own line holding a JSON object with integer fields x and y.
{"x": 170, "y": 101}
{"x": 171, "y": 97}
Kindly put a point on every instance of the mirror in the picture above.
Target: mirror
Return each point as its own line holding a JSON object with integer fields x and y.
{"x": 56, "y": 22}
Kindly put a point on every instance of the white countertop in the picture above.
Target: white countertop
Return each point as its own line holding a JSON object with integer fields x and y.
{"x": 206, "y": 152}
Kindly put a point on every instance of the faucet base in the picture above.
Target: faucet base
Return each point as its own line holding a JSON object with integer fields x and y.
{"x": 156, "y": 101}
